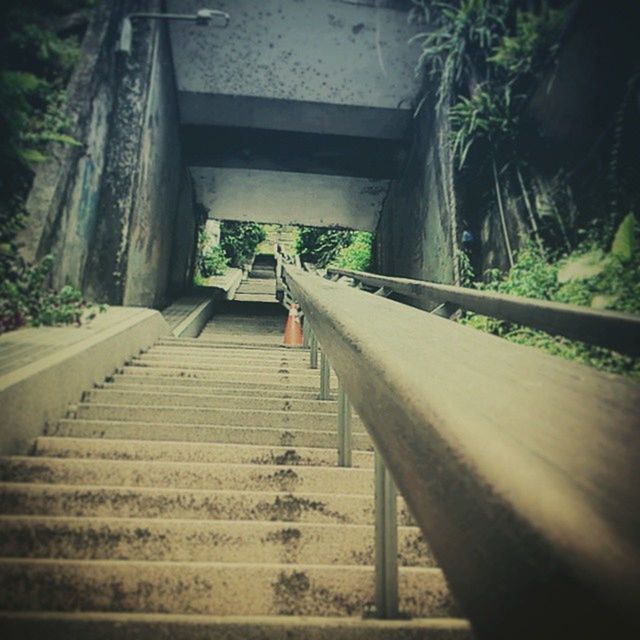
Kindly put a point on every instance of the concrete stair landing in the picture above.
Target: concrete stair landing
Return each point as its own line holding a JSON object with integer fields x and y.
{"x": 195, "y": 494}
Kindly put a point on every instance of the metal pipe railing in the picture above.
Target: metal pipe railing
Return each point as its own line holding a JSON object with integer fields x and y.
{"x": 386, "y": 542}
{"x": 325, "y": 376}
{"x": 609, "y": 329}
{"x": 522, "y": 470}
{"x": 344, "y": 428}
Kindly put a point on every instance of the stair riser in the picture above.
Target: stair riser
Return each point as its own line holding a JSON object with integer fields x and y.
{"x": 192, "y": 452}
{"x": 221, "y": 434}
{"x": 257, "y": 366}
{"x": 290, "y": 356}
{"x": 200, "y": 541}
{"x": 195, "y": 386}
{"x": 209, "y": 345}
{"x": 164, "y": 474}
{"x": 297, "y": 364}
{"x": 307, "y": 381}
{"x": 226, "y": 417}
{"x": 118, "y": 502}
{"x": 213, "y": 589}
{"x": 106, "y": 396}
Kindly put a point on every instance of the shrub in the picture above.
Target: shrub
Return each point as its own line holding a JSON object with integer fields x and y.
{"x": 239, "y": 241}
{"x": 321, "y": 245}
{"x": 588, "y": 276}
{"x": 211, "y": 261}
{"x": 25, "y": 298}
{"x": 357, "y": 255}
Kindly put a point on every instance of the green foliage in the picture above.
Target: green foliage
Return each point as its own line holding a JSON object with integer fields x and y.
{"x": 25, "y": 298}
{"x": 486, "y": 116}
{"x": 624, "y": 242}
{"x": 239, "y": 241}
{"x": 534, "y": 41}
{"x": 211, "y": 259}
{"x": 467, "y": 273}
{"x": 38, "y": 48}
{"x": 464, "y": 33}
{"x": 486, "y": 53}
{"x": 614, "y": 285}
{"x": 357, "y": 255}
{"x": 321, "y": 245}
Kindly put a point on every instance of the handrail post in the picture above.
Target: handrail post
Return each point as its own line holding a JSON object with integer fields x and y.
{"x": 386, "y": 542}
{"x": 313, "y": 353}
{"x": 306, "y": 330}
{"x": 325, "y": 371}
{"x": 344, "y": 428}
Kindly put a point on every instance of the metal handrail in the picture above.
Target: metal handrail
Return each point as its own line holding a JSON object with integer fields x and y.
{"x": 609, "y": 329}
{"x": 522, "y": 470}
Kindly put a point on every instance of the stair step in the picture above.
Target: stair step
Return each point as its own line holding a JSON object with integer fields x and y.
{"x": 211, "y": 588}
{"x": 310, "y": 381}
{"x": 248, "y": 337}
{"x": 167, "y": 414}
{"x": 204, "y": 433}
{"x": 205, "y": 362}
{"x": 292, "y": 356}
{"x": 200, "y": 540}
{"x": 244, "y": 366}
{"x": 145, "y": 502}
{"x": 194, "y": 475}
{"x": 52, "y": 447}
{"x": 125, "y": 383}
{"x": 212, "y": 344}
{"x": 141, "y": 626}
{"x": 210, "y": 400}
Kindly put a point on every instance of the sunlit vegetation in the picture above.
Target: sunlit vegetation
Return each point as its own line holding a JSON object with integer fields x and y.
{"x": 335, "y": 247}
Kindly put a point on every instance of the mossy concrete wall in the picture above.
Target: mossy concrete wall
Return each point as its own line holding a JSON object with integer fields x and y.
{"x": 107, "y": 209}
{"x": 417, "y": 233}
{"x": 581, "y": 163}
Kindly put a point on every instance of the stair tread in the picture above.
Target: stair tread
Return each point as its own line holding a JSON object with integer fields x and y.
{"x": 104, "y": 626}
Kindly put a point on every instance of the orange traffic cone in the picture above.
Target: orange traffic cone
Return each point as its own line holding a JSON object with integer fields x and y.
{"x": 293, "y": 329}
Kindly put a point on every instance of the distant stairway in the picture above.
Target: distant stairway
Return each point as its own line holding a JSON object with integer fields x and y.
{"x": 195, "y": 495}
{"x": 260, "y": 286}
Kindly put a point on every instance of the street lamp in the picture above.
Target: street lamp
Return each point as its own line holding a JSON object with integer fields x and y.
{"x": 203, "y": 17}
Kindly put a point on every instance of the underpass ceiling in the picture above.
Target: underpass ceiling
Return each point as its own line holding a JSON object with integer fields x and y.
{"x": 298, "y": 112}
{"x": 320, "y": 66}
{"x": 290, "y": 198}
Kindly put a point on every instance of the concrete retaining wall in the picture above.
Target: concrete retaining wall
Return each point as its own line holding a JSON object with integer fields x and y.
{"x": 107, "y": 209}
{"x": 66, "y": 362}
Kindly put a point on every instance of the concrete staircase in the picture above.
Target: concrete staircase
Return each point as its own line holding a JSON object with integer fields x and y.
{"x": 260, "y": 286}
{"x": 195, "y": 495}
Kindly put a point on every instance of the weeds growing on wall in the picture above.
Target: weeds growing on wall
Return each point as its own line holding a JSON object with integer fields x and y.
{"x": 39, "y": 46}
{"x": 211, "y": 260}
{"x": 239, "y": 241}
{"x": 590, "y": 275}
{"x": 484, "y": 57}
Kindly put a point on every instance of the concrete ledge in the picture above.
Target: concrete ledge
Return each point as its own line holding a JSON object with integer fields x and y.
{"x": 64, "y": 362}
{"x": 193, "y": 323}
{"x": 228, "y": 283}
{"x": 188, "y": 315}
